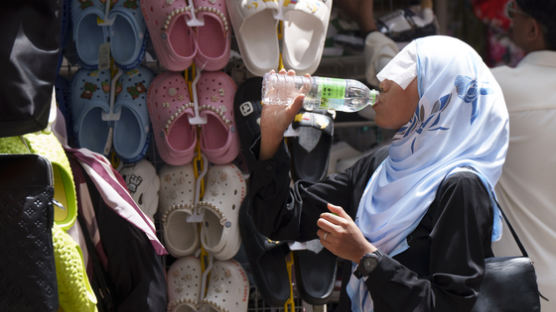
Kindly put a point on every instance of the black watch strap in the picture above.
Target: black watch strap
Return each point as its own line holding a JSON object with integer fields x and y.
{"x": 368, "y": 263}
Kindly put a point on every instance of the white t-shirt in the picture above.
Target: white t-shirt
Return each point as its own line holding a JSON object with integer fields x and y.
{"x": 527, "y": 188}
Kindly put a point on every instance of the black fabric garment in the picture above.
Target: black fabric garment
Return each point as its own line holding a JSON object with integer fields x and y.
{"x": 135, "y": 271}
{"x": 440, "y": 271}
{"x": 29, "y": 49}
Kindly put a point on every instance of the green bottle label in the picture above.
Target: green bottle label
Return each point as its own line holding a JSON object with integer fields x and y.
{"x": 332, "y": 92}
{"x": 332, "y": 88}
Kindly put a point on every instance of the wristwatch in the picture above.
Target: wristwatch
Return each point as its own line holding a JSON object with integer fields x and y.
{"x": 367, "y": 264}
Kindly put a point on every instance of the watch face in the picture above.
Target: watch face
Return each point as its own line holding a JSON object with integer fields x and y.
{"x": 369, "y": 263}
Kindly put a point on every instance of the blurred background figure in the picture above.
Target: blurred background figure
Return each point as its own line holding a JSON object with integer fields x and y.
{"x": 526, "y": 187}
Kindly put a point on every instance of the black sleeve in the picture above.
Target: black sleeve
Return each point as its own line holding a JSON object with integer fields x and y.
{"x": 282, "y": 211}
{"x": 459, "y": 240}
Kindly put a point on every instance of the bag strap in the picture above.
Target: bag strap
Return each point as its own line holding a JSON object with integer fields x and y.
{"x": 101, "y": 284}
{"x": 514, "y": 234}
{"x": 495, "y": 203}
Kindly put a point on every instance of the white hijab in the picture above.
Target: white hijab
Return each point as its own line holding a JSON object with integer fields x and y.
{"x": 461, "y": 120}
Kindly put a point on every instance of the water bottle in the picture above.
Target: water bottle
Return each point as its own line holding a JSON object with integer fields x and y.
{"x": 346, "y": 95}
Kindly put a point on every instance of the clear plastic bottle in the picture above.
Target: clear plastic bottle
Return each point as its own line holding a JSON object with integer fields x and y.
{"x": 346, "y": 95}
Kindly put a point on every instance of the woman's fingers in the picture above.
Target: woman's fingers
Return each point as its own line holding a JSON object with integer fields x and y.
{"x": 328, "y": 226}
{"x": 334, "y": 219}
{"x": 338, "y": 211}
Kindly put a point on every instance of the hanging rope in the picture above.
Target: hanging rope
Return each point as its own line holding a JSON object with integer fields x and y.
{"x": 290, "y": 303}
{"x": 280, "y": 34}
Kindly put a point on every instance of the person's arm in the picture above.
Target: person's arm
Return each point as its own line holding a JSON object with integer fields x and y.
{"x": 278, "y": 212}
{"x": 290, "y": 213}
{"x": 459, "y": 241}
{"x": 282, "y": 211}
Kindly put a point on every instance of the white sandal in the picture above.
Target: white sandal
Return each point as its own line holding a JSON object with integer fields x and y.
{"x": 184, "y": 285}
{"x": 177, "y": 195}
{"x": 225, "y": 190}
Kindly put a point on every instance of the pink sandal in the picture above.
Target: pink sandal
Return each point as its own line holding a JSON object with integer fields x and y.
{"x": 169, "y": 109}
{"x": 173, "y": 41}
{"x": 214, "y": 37}
{"x": 219, "y": 138}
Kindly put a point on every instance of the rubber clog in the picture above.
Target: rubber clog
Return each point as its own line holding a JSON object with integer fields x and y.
{"x": 214, "y": 37}
{"x": 219, "y": 138}
{"x": 74, "y": 290}
{"x": 224, "y": 191}
{"x": 184, "y": 285}
{"x": 228, "y": 289}
{"x": 128, "y": 33}
{"x": 87, "y": 34}
{"x": 131, "y": 131}
{"x": 143, "y": 184}
{"x": 173, "y": 41}
{"x": 90, "y": 98}
{"x": 169, "y": 110}
{"x": 176, "y": 203}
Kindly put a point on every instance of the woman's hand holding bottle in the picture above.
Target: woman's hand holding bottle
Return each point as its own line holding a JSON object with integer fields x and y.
{"x": 275, "y": 120}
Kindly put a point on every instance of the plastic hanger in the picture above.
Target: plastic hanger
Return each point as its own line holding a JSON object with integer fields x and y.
{"x": 196, "y": 120}
{"x": 106, "y": 21}
{"x": 200, "y": 162}
{"x": 206, "y": 271}
{"x": 200, "y": 168}
{"x": 193, "y": 21}
{"x": 289, "y": 265}
{"x": 111, "y": 116}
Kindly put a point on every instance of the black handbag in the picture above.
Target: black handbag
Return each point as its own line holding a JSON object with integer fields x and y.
{"x": 27, "y": 269}
{"x": 509, "y": 283}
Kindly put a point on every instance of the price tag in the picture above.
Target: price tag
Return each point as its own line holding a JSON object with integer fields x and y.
{"x": 104, "y": 56}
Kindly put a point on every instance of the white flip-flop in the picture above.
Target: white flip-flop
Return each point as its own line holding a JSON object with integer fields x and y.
{"x": 224, "y": 192}
{"x": 184, "y": 285}
{"x": 255, "y": 29}
{"x": 176, "y": 203}
{"x": 305, "y": 26}
{"x": 228, "y": 288}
